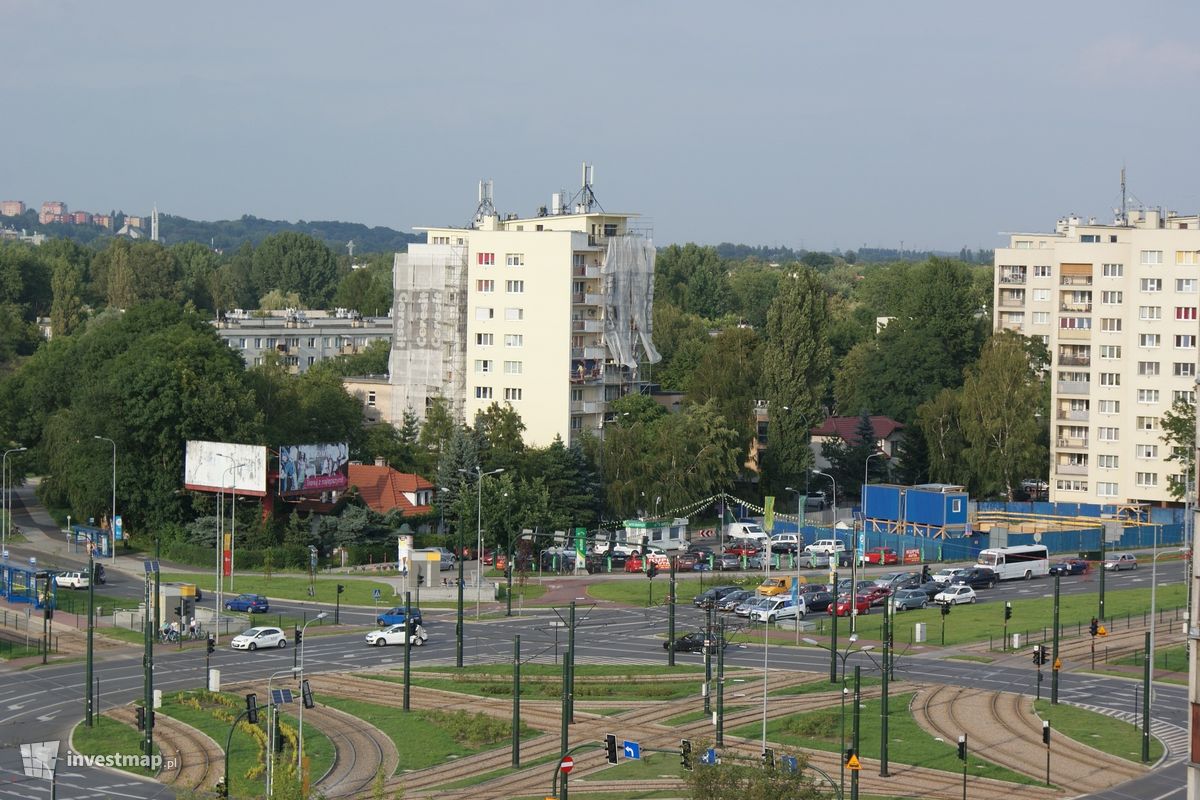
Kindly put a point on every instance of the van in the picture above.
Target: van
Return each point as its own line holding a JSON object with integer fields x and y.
{"x": 745, "y": 530}
{"x": 786, "y": 543}
{"x": 827, "y": 547}
{"x": 777, "y": 586}
{"x": 780, "y": 608}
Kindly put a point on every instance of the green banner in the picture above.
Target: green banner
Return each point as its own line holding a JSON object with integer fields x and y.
{"x": 580, "y": 543}
{"x": 769, "y": 515}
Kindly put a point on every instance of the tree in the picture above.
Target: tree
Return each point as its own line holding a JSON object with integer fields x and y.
{"x": 295, "y": 262}
{"x": 740, "y": 780}
{"x": 1001, "y": 403}
{"x": 849, "y": 381}
{"x": 726, "y": 375}
{"x": 367, "y": 291}
{"x": 570, "y": 484}
{"x": 1179, "y": 434}
{"x": 795, "y": 371}
{"x": 938, "y": 421}
{"x": 848, "y": 460}
{"x": 436, "y": 433}
{"x": 499, "y": 429}
{"x": 66, "y": 310}
{"x": 753, "y": 285}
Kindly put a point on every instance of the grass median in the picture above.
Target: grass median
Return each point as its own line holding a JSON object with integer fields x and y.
{"x": 1105, "y": 733}
{"x": 106, "y": 738}
{"x": 653, "y": 591}
{"x": 544, "y": 682}
{"x": 358, "y": 591}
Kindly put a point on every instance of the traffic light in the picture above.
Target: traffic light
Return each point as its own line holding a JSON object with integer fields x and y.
{"x": 278, "y": 734}
{"x": 945, "y": 609}
{"x": 962, "y": 747}
{"x": 306, "y": 695}
{"x": 685, "y": 753}
{"x": 252, "y": 708}
{"x": 141, "y": 718}
{"x": 1037, "y": 654}
{"x": 1007, "y": 611}
{"x": 848, "y": 755}
{"x": 1095, "y": 627}
{"x": 211, "y": 644}
{"x": 1046, "y": 732}
{"x": 768, "y": 758}
{"x": 610, "y": 748}
{"x": 651, "y": 570}
{"x": 297, "y": 636}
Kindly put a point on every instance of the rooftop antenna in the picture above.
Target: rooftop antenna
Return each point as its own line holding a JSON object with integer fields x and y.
{"x": 1123, "y": 217}
{"x": 586, "y": 198}
{"x": 485, "y": 207}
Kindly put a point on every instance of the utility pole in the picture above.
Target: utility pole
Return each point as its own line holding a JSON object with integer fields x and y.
{"x": 888, "y": 612}
{"x": 148, "y": 660}
{"x": 408, "y": 632}
{"x": 571, "y": 669}
{"x": 720, "y": 686}
{"x": 89, "y": 703}
{"x": 1146, "y": 700}
{"x": 1055, "y": 663}
{"x": 1103, "y": 545}
{"x": 857, "y": 702}
{"x": 708, "y": 632}
{"x": 458, "y": 626}
{"x": 671, "y": 620}
{"x": 833, "y": 659}
{"x": 516, "y": 712}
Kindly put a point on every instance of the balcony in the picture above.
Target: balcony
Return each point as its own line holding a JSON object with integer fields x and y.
{"x": 1075, "y": 333}
{"x": 1072, "y": 444}
{"x": 1074, "y": 387}
{"x": 1075, "y": 280}
{"x": 587, "y": 407}
{"x": 1073, "y": 415}
{"x": 586, "y": 271}
{"x": 1074, "y": 361}
{"x": 1015, "y": 278}
{"x": 585, "y": 299}
{"x": 1071, "y": 469}
{"x": 587, "y": 326}
{"x": 592, "y": 352}
{"x": 1012, "y": 301}
{"x": 1086, "y": 308}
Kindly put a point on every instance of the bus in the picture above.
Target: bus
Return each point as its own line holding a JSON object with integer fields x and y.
{"x": 1024, "y": 561}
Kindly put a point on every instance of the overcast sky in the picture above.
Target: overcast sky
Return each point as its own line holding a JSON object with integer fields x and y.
{"x": 807, "y": 124}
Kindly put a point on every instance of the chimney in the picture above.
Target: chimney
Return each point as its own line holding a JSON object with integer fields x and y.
{"x": 380, "y": 461}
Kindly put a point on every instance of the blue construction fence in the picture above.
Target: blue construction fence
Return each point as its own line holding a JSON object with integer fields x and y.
{"x": 1158, "y": 516}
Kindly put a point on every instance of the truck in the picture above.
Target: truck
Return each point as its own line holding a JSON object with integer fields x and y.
{"x": 745, "y": 531}
{"x": 774, "y": 586}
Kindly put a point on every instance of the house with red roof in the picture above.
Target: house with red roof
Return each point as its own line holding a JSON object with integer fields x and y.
{"x": 886, "y": 432}
{"x": 383, "y": 489}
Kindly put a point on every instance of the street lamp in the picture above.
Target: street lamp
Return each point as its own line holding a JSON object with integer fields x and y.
{"x": 479, "y": 476}
{"x": 271, "y": 723}
{"x": 7, "y": 512}
{"x": 800, "y": 500}
{"x": 842, "y": 656}
{"x": 300, "y": 729}
{"x": 833, "y": 581}
{"x": 866, "y": 471}
{"x": 112, "y": 519}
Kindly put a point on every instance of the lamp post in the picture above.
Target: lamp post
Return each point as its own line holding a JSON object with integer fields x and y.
{"x": 112, "y": 518}
{"x": 7, "y": 509}
{"x": 1149, "y": 672}
{"x": 479, "y": 476}
{"x": 833, "y": 580}
{"x": 835, "y": 655}
{"x": 867, "y": 472}
{"x": 272, "y": 721}
{"x": 300, "y": 728}
{"x": 800, "y": 501}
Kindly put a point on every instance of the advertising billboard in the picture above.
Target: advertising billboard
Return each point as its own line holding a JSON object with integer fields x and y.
{"x": 223, "y": 467}
{"x": 314, "y": 468}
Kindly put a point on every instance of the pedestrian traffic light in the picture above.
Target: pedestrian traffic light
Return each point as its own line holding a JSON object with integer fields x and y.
{"x": 962, "y": 747}
{"x": 306, "y": 695}
{"x": 211, "y": 644}
{"x": 1037, "y": 654}
{"x": 1095, "y": 627}
{"x": 768, "y": 758}
{"x": 945, "y": 609}
{"x": 341, "y": 588}
{"x": 298, "y": 636}
{"x": 1046, "y": 732}
{"x": 1007, "y": 611}
{"x": 141, "y": 718}
{"x": 685, "y": 753}
{"x": 252, "y": 708}
{"x": 610, "y": 748}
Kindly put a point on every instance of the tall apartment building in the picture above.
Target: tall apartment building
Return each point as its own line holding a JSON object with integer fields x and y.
{"x": 299, "y": 339}
{"x": 1116, "y": 305}
{"x": 549, "y": 313}
{"x": 12, "y": 208}
{"x": 52, "y": 211}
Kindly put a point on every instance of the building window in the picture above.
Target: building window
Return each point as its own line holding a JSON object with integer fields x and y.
{"x": 512, "y": 394}
{"x": 1109, "y": 407}
{"x": 610, "y": 229}
{"x": 1184, "y": 395}
{"x": 1185, "y": 312}
{"x": 1148, "y": 479}
{"x": 312, "y": 360}
{"x": 439, "y": 240}
{"x": 312, "y": 341}
{"x": 1185, "y": 341}
{"x": 1041, "y": 318}
{"x": 1187, "y": 285}
{"x": 1106, "y": 488}
{"x": 1108, "y": 434}
{"x": 485, "y": 286}
{"x": 1185, "y": 369}
{"x": 1089, "y": 238}
{"x": 483, "y": 365}
{"x": 1146, "y": 451}
{"x": 483, "y": 339}
{"x": 513, "y": 314}
{"x": 1146, "y": 424}
{"x": 1149, "y": 312}
{"x": 1111, "y": 298}
{"x": 258, "y": 343}
{"x": 483, "y": 393}
{"x": 1075, "y": 323}
{"x": 1110, "y": 379}
{"x": 1110, "y": 352}
{"x": 513, "y": 367}
{"x": 1147, "y": 395}
{"x": 1107, "y": 461}
{"x": 515, "y": 259}
{"x": 485, "y": 259}
{"x": 514, "y": 340}
{"x": 1187, "y": 258}
{"x": 1152, "y": 257}
{"x": 514, "y": 287}
{"x": 1149, "y": 339}
{"x": 1112, "y": 270}
{"x": 1151, "y": 284}
{"x": 1147, "y": 368}
{"x": 1041, "y": 272}
{"x": 483, "y": 312}
{"x": 371, "y": 399}
{"x": 1071, "y": 486}
{"x": 1110, "y": 324}
{"x": 1041, "y": 295}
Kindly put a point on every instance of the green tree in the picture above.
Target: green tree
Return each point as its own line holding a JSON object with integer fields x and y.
{"x": 367, "y": 291}
{"x": 499, "y": 429}
{"x": 849, "y": 381}
{"x": 570, "y": 484}
{"x": 753, "y": 285}
{"x": 295, "y": 262}
{"x": 938, "y": 420}
{"x": 795, "y": 372}
{"x": 726, "y": 374}
{"x": 436, "y": 433}
{"x": 1179, "y": 434}
{"x": 66, "y": 310}
{"x": 848, "y": 460}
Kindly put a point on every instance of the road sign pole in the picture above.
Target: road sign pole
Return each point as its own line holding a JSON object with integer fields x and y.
{"x": 1054, "y": 655}
{"x": 857, "y": 703}
{"x": 721, "y": 686}
{"x": 671, "y": 620}
{"x": 571, "y": 672}
{"x": 1146, "y": 699}
{"x": 408, "y": 632}
{"x": 516, "y": 712}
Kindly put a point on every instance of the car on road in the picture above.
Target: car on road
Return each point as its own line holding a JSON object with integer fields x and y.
{"x": 977, "y": 578}
{"x": 394, "y": 634}
{"x": 859, "y": 587}
{"x": 947, "y": 574}
{"x": 71, "y": 580}
{"x": 250, "y": 603}
{"x": 861, "y": 604}
{"x": 751, "y": 603}
{"x": 685, "y": 562}
{"x": 884, "y": 556}
{"x": 786, "y": 542}
{"x": 259, "y": 639}
{"x": 1070, "y": 566}
{"x": 395, "y": 616}
{"x": 732, "y": 600}
{"x": 815, "y": 501}
{"x": 740, "y": 549}
{"x": 899, "y": 580}
{"x": 692, "y": 643}
{"x": 783, "y": 607}
{"x": 819, "y": 600}
{"x": 955, "y": 594}
{"x": 712, "y": 595}
{"x": 877, "y": 595}
{"x": 930, "y": 588}
{"x": 1114, "y": 562}
{"x": 726, "y": 561}
{"x": 906, "y": 599}
{"x": 827, "y": 547}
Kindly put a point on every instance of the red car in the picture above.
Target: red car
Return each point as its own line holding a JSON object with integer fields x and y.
{"x": 843, "y": 605}
{"x": 488, "y": 557}
{"x": 634, "y": 563}
{"x": 882, "y": 555}
{"x": 742, "y": 549}
{"x": 877, "y": 595}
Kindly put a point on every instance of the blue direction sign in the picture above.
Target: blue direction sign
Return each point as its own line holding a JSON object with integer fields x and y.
{"x": 709, "y": 757}
{"x": 118, "y": 528}
{"x": 791, "y": 764}
{"x": 632, "y": 749}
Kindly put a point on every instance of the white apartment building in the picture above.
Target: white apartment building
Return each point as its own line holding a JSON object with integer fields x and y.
{"x": 1116, "y": 306}
{"x": 550, "y": 314}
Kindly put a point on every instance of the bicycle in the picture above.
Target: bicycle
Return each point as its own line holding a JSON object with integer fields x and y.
{"x": 167, "y": 636}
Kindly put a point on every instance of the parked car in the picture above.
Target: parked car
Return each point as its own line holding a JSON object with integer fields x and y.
{"x": 395, "y": 616}
{"x": 686, "y": 562}
{"x": 905, "y": 599}
{"x": 819, "y": 600}
{"x": 877, "y": 595}
{"x": 727, "y": 561}
{"x": 1115, "y": 562}
{"x": 947, "y": 574}
{"x": 599, "y": 563}
{"x": 711, "y": 595}
{"x": 692, "y": 643}
{"x": 930, "y": 588}
{"x": 813, "y": 588}
{"x": 786, "y": 542}
{"x": 861, "y": 604}
{"x": 784, "y": 607}
{"x": 259, "y": 639}
{"x": 700, "y": 551}
{"x": 899, "y": 580}
{"x": 815, "y": 501}
{"x": 827, "y": 547}
{"x": 394, "y": 634}
{"x": 955, "y": 594}
{"x": 732, "y": 600}
{"x": 744, "y": 609}
{"x": 746, "y": 531}
{"x": 859, "y": 587}
{"x": 1070, "y": 566}
{"x": 976, "y": 578}
{"x": 251, "y": 603}
{"x": 71, "y": 580}
{"x": 1034, "y": 485}
{"x": 741, "y": 549}
{"x": 884, "y": 556}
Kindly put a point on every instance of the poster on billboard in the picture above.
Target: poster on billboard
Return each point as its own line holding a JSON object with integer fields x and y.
{"x": 224, "y": 467}
{"x": 314, "y": 468}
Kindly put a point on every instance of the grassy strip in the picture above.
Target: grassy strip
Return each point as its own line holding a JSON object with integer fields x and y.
{"x": 484, "y": 777}
{"x": 910, "y": 744}
{"x": 552, "y": 689}
{"x": 293, "y": 587}
{"x": 1105, "y": 733}
{"x": 423, "y": 739}
{"x": 697, "y": 716}
{"x": 642, "y": 593}
{"x": 109, "y": 737}
{"x": 651, "y": 766}
{"x": 1171, "y": 659}
{"x": 816, "y": 687}
{"x": 581, "y": 670}
{"x": 666, "y": 794}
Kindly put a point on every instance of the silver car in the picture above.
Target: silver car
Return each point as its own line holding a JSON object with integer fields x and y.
{"x": 906, "y": 599}
{"x": 744, "y": 609}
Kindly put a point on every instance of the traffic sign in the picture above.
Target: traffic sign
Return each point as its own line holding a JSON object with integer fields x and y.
{"x": 1102, "y": 632}
{"x": 853, "y": 763}
{"x": 567, "y": 764}
{"x": 376, "y": 594}
{"x": 709, "y": 757}
{"x": 791, "y": 764}
{"x": 1057, "y": 664}
{"x": 632, "y": 749}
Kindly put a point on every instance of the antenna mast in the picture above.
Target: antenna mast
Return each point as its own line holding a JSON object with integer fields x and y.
{"x": 485, "y": 207}
{"x": 1124, "y": 219}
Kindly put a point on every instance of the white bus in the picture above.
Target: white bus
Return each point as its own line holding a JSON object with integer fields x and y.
{"x": 1025, "y": 561}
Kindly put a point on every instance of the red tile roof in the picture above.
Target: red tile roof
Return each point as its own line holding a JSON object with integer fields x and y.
{"x": 846, "y": 428}
{"x": 383, "y": 488}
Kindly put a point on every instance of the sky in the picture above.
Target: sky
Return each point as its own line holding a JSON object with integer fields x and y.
{"x": 930, "y": 125}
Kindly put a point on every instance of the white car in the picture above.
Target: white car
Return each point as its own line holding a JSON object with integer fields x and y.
{"x": 945, "y": 575}
{"x": 779, "y": 608}
{"x": 827, "y": 547}
{"x": 394, "y": 634}
{"x": 956, "y": 594}
{"x": 259, "y": 639}
{"x": 71, "y": 580}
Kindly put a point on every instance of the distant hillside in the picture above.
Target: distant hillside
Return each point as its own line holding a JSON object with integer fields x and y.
{"x": 228, "y": 235}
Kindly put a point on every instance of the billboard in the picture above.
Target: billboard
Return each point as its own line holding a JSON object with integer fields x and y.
{"x": 314, "y": 468}
{"x": 221, "y": 466}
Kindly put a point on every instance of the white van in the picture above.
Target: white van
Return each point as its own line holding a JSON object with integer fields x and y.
{"x": 745, "y": 531}
{"x": 781, "y": 607}
{"x": 828, "y": 547}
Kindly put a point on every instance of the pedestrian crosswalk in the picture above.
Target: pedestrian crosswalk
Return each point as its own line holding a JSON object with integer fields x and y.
{"x": 1174, "y": 738}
